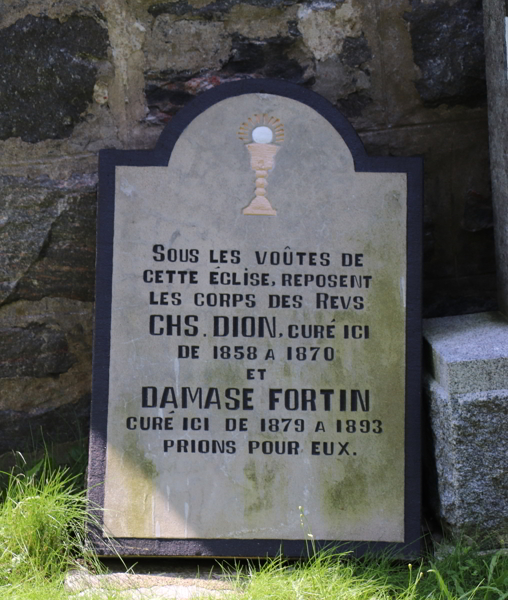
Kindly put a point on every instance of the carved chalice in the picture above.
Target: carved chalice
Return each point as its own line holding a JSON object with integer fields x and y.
{"x": 261, "y": 130}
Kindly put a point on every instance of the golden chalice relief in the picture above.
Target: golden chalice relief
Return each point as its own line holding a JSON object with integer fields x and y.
{"x": 263, "y": 136}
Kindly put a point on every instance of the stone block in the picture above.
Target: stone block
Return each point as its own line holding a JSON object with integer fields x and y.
{"x": 467, "y": 390}
{"x": 47, "y": 237}
{"x": 447, "y": 42}
{"x": 45, "y": 372}
{"x": 186, "y": 45}
{"x": 48, "y": 71}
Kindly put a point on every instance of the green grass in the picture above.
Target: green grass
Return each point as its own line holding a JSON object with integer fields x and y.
{"x": 463, "y": 574}
{"x": 42, "y": 531}
{"x": 43, "y": 519}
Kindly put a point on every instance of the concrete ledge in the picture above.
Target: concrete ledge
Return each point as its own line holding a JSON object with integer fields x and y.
{"x": 467, "y": 388}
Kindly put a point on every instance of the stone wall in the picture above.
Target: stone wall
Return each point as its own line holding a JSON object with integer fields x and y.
{"x": 80, "y": 75}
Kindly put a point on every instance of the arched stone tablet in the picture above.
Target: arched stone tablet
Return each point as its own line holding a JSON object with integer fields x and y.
{"x": 256, "y": 375}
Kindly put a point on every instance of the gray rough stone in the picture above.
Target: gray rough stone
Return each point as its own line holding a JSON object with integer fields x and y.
{"x": 268, "y": 58}
{"x": 24, "y": 431}
{"x": 34, "y": 351}
{"x": 47, "y": 235}
{"x": 447, "y": 41}
{"x": 186, "y": 45}
{"x": 467, "y": 354}
{"x": 325, "y": 28}
{"x": 355, "y": 51}
{"x": 45, "y": 372}
{"x": 211, "y": 9}
{"x": 26, "y": 218}
{"x": 47, "y": 75}
{"x": 346, "y": 82}
{"x": 167, "y": 92}
{"x": 495, "y": 49}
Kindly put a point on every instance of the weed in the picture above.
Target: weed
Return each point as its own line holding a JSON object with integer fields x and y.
{"x": 329, "y": 574}
{"x": 43, "y": 519}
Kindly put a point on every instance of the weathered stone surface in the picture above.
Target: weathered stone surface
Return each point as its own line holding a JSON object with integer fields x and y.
{"x": 209, "y": 10}
{"x": 165, "y": 100}
{"x": 274, "y": 40}
{"x": 495, "y": 47}
{"x": 186, "y": 45}
{"x": 325, "y": 31}
{"x": 469, "y": 410}
{"x": 470, "y": 451}
{"x": 24, "y": 431}
{"x": 47, "y": 74}
{"x": 459, "y": 267}
{"x": 12, "y": 11}
{"x": 72, "y": 453}
{"x": 45, "y": 371}
{"x": 345, "y": 80}
{"x": 363, "y": 64}
{"x": 469, "y": 353}
{"x": 447, "y": 41}
{"x": 261, "y": 23}
{"x": 66, "y": 265}
{"x": 33, "y": 351}
{"x": 355, "y": 51}
{"x": 47, "y": 238}
{"x": 168, "y": 92}
{"x": 269, "y": 58}
{"x": 59, "y": 160}
{"x": 27, "y": 215}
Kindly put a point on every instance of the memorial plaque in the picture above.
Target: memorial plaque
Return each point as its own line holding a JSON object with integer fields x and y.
{"x": 257, "y": 350}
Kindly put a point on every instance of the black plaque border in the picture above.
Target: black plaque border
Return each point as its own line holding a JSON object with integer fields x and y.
{"x": 108, "y": 160}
